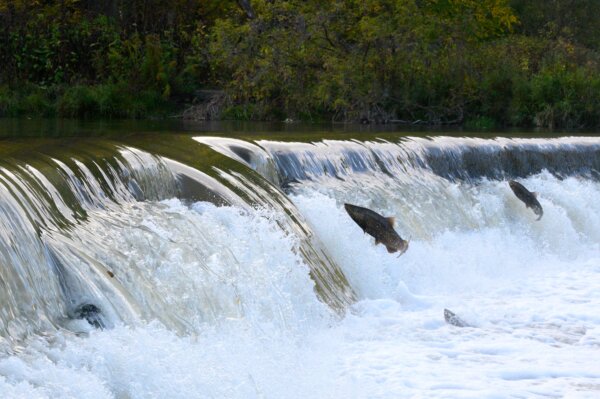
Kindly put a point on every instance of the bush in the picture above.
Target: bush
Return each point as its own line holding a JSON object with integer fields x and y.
{"x": 7, "y": 101}
{"x": 423, "y": 61}
{"x": 78, "y": 101}
{"x": 480, "y": 123}
{"x": 29, "y": 100}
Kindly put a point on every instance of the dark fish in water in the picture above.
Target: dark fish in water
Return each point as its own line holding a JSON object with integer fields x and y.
{"x": 529, "y": 198}
{"x": 454, "y": 320}
{"x": 91, "y": 313}
{"x": 378, "y": 227}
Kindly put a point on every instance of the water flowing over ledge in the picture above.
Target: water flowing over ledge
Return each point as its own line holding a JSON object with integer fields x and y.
{"x": 226, "y": 267}
{"x": 65, "y": 216}
{"x": 448, "y": 157}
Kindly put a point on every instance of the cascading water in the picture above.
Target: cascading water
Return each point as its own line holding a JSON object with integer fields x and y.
{"x": 44, "y": 273}
{"x": 222, "y": 267}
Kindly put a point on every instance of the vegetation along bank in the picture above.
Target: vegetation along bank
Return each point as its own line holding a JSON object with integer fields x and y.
{"x": 477, "y": 63}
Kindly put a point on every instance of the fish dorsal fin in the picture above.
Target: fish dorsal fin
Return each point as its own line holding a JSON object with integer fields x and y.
{"x": 534, "y": 194}
{"x": 391, "y": 220}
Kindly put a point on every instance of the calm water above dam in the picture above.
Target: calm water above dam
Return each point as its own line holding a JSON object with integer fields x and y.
{"x": 160, "y": 260}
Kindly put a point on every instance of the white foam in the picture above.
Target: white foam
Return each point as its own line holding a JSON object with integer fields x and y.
{"x": 527, "y": 288}
{"x": 189, "y": 266}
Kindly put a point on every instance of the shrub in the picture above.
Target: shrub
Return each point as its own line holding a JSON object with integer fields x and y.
{"x": 78, "y": 101}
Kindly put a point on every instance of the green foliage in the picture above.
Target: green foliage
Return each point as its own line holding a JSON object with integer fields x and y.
{"x": 78, "y": 101}
{"x": 111, "y": 100}
{"x": 240, "y": 112}
{"x": 573, "y": 20}
{"x": 81, "y": 101}
{"x": 565, "y": 97}
{"x": 432, "y": 61}
{"x": 481, "y": 63}
{"x": 7, "y": 101}
{"x": 375, "y": 59}
{"x": 480, "y": 123}
{"x": 28, "y": 100}
{"x": 104, "y": 58}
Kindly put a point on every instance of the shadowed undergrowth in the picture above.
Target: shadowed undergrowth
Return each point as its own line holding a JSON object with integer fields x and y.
{"x": 485, "y": 64}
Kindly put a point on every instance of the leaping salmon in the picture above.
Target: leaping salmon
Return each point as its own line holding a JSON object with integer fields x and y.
{"x": 529, "y": 198}
{"x": 378, "y": 227}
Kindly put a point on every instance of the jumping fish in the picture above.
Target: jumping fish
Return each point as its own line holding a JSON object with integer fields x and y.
{"x": 529, "y": 198}
{"x": 378, "y": 227}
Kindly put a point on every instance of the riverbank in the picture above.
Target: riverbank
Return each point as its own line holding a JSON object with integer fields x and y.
{"x": 84, "y": 101}
{"x": 486, "y": 64}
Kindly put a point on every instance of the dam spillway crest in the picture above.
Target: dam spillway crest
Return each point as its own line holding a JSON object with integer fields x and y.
{"x": 206, "y": 266}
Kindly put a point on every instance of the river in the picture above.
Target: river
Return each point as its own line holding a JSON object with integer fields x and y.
{"x": 157, "y": 260}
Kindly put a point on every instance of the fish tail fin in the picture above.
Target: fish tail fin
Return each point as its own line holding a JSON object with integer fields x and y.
{"x": 403, "y": 250}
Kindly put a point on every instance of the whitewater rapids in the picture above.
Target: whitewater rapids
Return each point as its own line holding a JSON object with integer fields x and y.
{"x": 230, "y": 309}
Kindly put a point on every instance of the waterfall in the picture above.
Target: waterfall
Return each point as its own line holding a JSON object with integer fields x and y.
{"x": 203, "y": 266}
